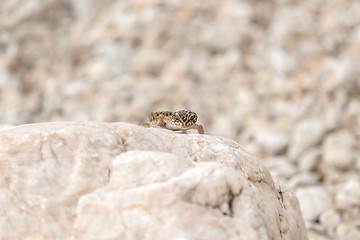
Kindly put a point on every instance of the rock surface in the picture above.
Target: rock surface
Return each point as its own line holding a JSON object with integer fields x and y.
{"x": 87, "y": 180}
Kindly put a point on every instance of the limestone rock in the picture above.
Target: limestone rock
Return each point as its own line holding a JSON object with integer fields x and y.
{"x": 87, "y": 180}
{"x": 310, "y": 160}
{"x": 4, "y": 127}
{"x": 307, "y": 134}
{"x": 303, "y": 179}
{"x": 280, "y": 167}
{"x": 338, "y": 149}
{"x": 330, "y": 219}
{"x": 314, "y": 201}
{"x": 272, "y": 142}
{"x": 348, "y": 194}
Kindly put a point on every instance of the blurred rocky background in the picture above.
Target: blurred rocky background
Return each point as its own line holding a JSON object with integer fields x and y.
{"x": 281, "y": 77}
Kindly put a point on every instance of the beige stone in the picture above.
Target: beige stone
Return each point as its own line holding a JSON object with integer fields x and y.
{"x": 308, "y": 133}
{"x": 87, "y": 180}
{"x": 338, "y": 150}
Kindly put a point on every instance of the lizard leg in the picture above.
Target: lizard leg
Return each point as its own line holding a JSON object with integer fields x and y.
{"x": 162, "y": 123}
{"x": 198, "y": 127}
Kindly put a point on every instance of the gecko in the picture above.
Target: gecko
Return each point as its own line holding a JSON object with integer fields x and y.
{"x": 176, "y": 121}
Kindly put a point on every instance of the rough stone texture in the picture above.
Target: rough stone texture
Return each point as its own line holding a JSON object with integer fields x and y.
{"x": 87, "y": 180}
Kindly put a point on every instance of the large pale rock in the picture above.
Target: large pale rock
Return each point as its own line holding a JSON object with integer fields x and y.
{"x": 88, "y": 180}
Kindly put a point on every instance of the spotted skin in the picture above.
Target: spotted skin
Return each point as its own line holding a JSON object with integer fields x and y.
{"x": 176, "y": 121}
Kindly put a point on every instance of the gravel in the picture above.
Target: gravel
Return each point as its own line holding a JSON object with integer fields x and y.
{"x": 280, "y": 77}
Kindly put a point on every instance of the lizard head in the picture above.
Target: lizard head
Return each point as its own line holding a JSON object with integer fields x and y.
{"x": 184, "y": 118}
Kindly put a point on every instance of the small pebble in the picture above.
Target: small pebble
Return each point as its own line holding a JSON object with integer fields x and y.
{"x": 307, "y": 133}
{"x": 348, "y": 194}
{"x": 314, "y": 200}
{"x": 330, "y": 219}
{"x": 310, "y": 160}
{"x": 303, "y": 179}
{"x": 338, "y": 150}
{"x": 280, "y": 167}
